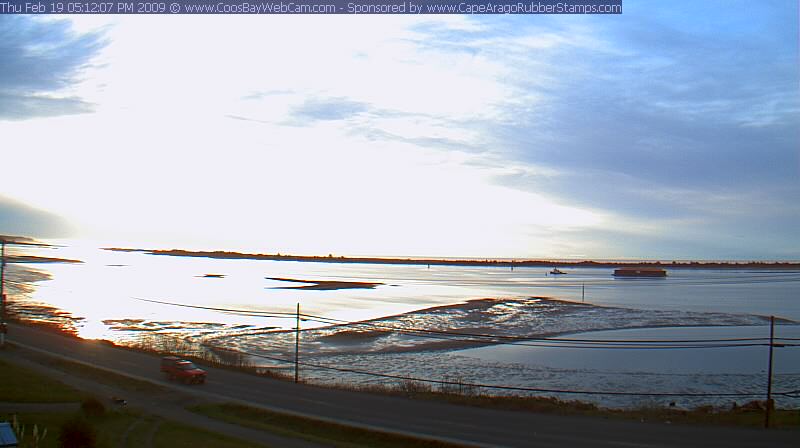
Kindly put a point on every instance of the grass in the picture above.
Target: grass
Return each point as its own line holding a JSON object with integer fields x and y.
{"x": 98, "y": 375}
{"x": 22, "y": 385}
{"x": 347, "y": 437}
{"x": 176, "y": 435}
{"x": 705, "y": 415}
{"x": 109, "y": 427}
{"x": 313, "y": 430}
{"x": 747, "y": 415}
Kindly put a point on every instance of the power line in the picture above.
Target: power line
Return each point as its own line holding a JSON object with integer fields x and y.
{"x": 532, "y": 338}
{"x": 500, "y": 339}
{"x": 620, "y": 345}
{"x": 183, "y": 305}
{"x": 494, "y": 338}
{"x": 502, "y": 387}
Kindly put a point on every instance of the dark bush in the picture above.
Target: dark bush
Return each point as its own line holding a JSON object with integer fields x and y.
{"x": 77, "y": 433}
{"x": 93, "y": 407}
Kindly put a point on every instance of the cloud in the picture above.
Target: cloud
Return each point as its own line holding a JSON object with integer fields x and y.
{"x": 259, "y": 95}
{"x": 682, "y": 120}
{"x": 673, "y": 127}
{"x": 18, "y": 107}
{"x": 20, "y": 219}
{"x": 370, "y": 122}
{"x": 38, "y": 61}
{"x": 328, "y": 109}
{"x": 373, "y": 132}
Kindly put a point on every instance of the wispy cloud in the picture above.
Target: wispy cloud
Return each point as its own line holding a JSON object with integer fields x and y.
{"x": 328, "y": 109}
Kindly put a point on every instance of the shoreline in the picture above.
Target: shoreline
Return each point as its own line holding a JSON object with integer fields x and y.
{"x": 30, "y": 259}
{"x": 463, "y": 262}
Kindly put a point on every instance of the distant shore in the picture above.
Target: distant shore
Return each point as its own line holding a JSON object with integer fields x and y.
{"x": 465, "y": 262}
{"x": 324, "y": 285}
{"x": 35, "y": 259}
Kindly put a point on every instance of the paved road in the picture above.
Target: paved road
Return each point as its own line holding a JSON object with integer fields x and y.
{"x": 459, "y": 424}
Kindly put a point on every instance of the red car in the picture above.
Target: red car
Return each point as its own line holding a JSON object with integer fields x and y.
{"x": 182, "y": 370}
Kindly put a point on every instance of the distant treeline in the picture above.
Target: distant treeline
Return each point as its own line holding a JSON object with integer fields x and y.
{"x": 469, "y": 262}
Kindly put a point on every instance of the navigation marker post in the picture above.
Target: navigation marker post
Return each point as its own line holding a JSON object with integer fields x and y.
{"x": 769, "y": 371}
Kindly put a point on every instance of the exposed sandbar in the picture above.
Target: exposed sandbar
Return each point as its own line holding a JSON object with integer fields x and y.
{"x": 324, "y": 285}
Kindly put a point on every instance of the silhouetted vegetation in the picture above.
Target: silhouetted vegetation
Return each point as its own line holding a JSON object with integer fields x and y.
{"x": 77, "y": 433}
{"x": 93, "y": 407}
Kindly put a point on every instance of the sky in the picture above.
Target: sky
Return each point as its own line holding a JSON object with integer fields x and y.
{"x": 671, "y": 131}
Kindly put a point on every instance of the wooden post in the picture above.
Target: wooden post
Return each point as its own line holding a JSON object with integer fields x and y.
{"x": 583, "y": 292}
{"x": 2, "y": 292}
{"x": 297, "y": 347}
{"x": 769, "y": 371}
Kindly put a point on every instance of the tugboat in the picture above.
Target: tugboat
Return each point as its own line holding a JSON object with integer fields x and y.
{"x": 557, "y": 271}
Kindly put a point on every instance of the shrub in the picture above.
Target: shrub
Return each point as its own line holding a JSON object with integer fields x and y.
{"x": 93, "y": 407}
{"x": 705, "y": 409}
{"x": 411, "y": 387}
{"x": 77, "y": 433}
{"x": 457, "y": 385}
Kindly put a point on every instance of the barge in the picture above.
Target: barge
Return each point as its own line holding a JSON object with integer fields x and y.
{"x": 640, "y": 272}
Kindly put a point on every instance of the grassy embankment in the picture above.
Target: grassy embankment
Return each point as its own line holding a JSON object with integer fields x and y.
{"x": 746, "y": 415}
{"x": 21, "y": 385}
{"x": 309, "y": 429}
{"x": 317, "y": 431}
{"x": 112, "y": 427}
{"x": 112, "y": 430}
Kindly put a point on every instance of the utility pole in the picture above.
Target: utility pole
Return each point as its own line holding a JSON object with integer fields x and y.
{"x": 2, "y": 267}
{"x": 2, "y": 293}
{"x": 297, "y": 347}
{"x": 769, "y": 371}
